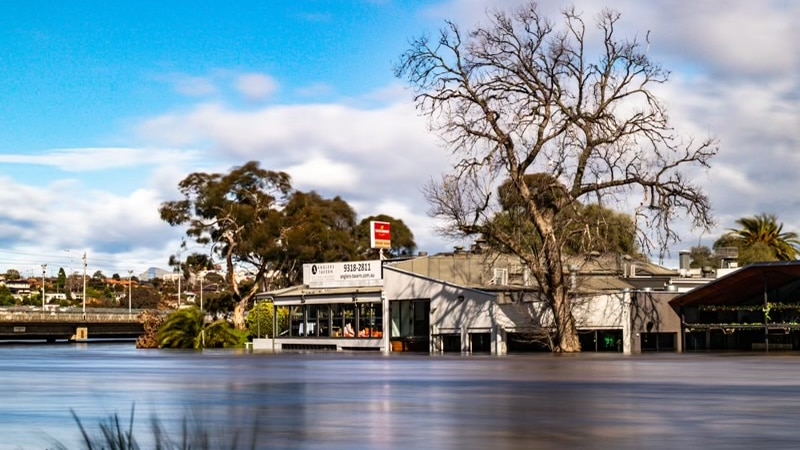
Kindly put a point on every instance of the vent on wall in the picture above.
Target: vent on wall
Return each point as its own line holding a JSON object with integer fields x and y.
{"x": 500, "y": 277}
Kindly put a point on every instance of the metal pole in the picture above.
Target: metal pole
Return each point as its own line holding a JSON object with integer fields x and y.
{"x": 203, "y": 329}
{"x": 130, "y": 290}
{"x": 44, "y": 268}
{"x": 766, "y": 326}
{"x": 84, "y": 284}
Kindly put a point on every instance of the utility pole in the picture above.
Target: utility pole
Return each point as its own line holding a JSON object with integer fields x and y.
{"x": 203, "y": 327}
{"x": 84, "y": 284}
{"x": 130, "y": 290}
{"x": 44, "y": 269}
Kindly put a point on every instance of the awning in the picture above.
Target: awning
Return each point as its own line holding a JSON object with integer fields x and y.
{"x": 303, "y": 294}
{"x": 745, "y": 285}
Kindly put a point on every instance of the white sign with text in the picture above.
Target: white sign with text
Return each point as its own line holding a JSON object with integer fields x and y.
{"x": 343, "y": 274}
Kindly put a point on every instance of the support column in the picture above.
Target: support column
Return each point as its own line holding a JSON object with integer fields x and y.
{"x": 627, "y": 335}
{"x": 387, "y": 324}
{"x": 465, "y": 340}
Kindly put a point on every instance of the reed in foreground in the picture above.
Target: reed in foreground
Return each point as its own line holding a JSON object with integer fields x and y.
{"x": 114, "y": 433}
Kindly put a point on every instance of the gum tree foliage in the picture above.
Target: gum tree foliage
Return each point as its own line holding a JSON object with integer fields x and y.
{"x": 238, "y": 214}
{"x": 582, "y": 228}
{"x": 6, "y": 297}
{"x": 13, "y": 274}
{"x": 61, "y": 280}
{"x": 313, "y": 229}
{"x": 190, "y": 266}
{"x": 254, "y": 221}
{"x": 701, "y": 256}
{"x": 521, "y": 94}
{"x": 401, "y": 236}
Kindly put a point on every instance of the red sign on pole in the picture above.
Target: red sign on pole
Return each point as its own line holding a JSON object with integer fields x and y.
{"x": 380, "y": 235}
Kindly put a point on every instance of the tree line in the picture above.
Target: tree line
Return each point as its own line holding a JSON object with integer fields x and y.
{"x": 254, "y": 220}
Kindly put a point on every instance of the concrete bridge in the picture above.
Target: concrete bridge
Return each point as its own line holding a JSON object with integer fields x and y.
{"x": 69, "y": 326}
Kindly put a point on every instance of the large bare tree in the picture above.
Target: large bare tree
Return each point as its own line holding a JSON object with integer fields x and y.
{"x": 521, "y": 94}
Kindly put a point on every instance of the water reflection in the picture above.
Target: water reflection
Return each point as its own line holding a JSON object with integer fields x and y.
{"x": 353, "y": 401}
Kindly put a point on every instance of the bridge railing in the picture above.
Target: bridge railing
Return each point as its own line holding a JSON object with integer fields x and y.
{"x": 71, "y": 317}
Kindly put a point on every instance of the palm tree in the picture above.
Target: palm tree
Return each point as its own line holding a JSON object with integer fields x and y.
{"x": 185, "y": 329}
{"x": 181, "y": 329}
{"x": 763, "y": 236}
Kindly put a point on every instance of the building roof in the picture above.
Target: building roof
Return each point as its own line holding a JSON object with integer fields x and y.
{"x": 479, "y": 270}
{"x": 780, "y": 280}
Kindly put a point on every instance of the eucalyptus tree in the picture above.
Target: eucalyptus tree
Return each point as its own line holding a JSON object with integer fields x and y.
{"x": 313, "y": 229}
{"x": 239, "y": 215}
{"x": 256, "y": 223}
{"x": 582, "y": 229}
{"x": 520, "y": 94}
{"x": 402, "y": 239}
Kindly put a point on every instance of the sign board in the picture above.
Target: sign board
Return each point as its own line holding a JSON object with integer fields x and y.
{"x": 343, "y": 274}
{"x": 380, "y": 234}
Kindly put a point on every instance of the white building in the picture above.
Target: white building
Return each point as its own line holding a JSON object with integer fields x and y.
{"x": 472, "y": 302}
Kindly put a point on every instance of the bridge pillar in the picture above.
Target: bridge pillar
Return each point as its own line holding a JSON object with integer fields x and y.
{"x": 81, "y": 334}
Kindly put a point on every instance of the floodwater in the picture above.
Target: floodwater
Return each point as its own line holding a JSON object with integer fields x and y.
{"x": 400, "y": 401}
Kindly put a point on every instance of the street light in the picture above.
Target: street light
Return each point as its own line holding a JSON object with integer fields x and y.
{"x": 44, "y": 268}
{"x": 130, "y": 290}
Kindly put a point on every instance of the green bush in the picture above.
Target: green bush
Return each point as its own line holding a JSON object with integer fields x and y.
{"x": 259, "y": 320}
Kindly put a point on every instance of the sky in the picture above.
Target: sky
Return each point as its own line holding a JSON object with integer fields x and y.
{"x": 106, "y": 106}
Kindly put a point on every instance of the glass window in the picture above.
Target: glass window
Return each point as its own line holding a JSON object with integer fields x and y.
{"x": 324, "y": 317}
{"x": 410, "y": 318}
{"x": 283, "y": 330}
{"x": 312, "y": 325}
{"x": 349, "y": 317}
{"x": 296, "y": 319}
{"x": 370, "y": 320}
{"x": 337, "y": 320}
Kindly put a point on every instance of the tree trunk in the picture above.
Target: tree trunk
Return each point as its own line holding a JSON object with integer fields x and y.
{"x": 238, "y": 314}
{"x": 566, "y": 337}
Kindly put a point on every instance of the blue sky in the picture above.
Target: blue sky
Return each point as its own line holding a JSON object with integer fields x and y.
{"x": 69, "y": 66}
{"x": 105, "y": 106}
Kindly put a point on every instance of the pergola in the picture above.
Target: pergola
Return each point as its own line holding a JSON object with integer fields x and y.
{"x": 776, "y": 282}
{"x": 757, "y": 301}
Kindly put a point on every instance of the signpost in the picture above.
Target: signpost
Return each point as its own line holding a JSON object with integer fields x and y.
{"x": 380, "y": 235}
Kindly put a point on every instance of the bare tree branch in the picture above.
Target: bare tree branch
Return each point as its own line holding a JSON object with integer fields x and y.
{"x": 522, "y": 95}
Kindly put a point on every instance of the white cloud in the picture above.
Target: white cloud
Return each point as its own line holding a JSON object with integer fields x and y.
{"x": 368, "y": 156}
{"x": 95, "y": 159}
{"x": 321, "y": 173}
{"x": 192, "y": 86}
{"x": 255, "y": 87}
